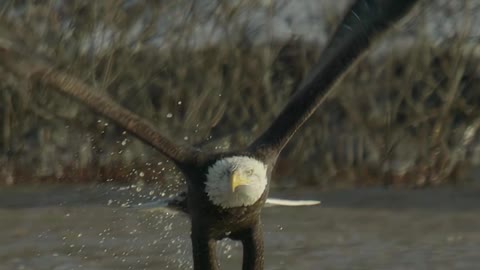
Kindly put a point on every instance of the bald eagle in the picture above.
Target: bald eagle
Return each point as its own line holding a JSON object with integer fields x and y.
{"x": 227, "y": 191}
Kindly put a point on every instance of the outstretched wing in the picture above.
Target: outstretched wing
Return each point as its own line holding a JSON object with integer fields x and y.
{"x": 32, "y": 68}
{"x": 365, "y": 20}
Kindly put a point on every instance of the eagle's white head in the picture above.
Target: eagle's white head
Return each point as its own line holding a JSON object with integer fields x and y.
{"x": 236, "y": 181}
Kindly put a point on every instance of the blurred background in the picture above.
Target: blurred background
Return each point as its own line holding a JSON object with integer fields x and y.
{"x": 214, "y": 74}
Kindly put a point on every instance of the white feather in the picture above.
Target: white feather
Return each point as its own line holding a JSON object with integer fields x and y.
{"x": 164, "y": 205}
{"x": 218, "y": 186}
{"x": 283, "y": 202}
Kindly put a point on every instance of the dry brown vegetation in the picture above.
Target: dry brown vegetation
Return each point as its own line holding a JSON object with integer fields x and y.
{"x": 407, "y": 116}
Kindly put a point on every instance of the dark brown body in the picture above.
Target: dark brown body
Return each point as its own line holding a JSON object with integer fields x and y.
{"x": 211, "y": 223}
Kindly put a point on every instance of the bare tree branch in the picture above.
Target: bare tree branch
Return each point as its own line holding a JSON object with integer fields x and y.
{"x": 32, "y": 68}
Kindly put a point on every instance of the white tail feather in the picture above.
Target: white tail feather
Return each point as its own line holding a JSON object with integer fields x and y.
{"x": 164, "y": 205}
{"x": 282, "y": 202}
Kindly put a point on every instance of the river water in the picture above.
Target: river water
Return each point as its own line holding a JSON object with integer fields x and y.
{"x": 69, "y": 227}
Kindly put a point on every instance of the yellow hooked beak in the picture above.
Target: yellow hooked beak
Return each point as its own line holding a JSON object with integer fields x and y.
{"x": 236, "y": 180}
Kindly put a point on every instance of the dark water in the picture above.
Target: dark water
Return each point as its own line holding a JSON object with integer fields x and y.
{"x": 82, "y": 228}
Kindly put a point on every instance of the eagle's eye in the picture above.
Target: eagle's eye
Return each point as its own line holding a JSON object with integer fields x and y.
{"x": 249, "y": 172}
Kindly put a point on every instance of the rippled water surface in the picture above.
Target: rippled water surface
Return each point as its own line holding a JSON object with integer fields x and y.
{"x": 83, "y": 228}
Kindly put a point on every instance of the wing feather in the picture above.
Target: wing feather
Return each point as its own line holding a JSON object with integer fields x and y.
{"x": 30, "y": 67}
{"x": 365, "y": 20}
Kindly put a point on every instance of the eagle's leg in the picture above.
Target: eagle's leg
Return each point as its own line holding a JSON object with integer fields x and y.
{"x": 252, "y": 240}
{"x": 204, "y": 251}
